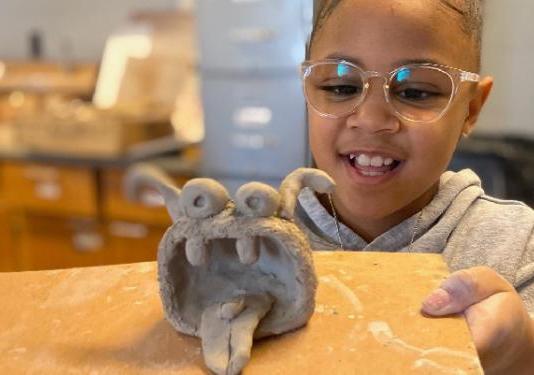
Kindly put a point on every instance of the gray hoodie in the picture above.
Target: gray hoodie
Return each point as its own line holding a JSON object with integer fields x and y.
{"x": 468, "y": 227}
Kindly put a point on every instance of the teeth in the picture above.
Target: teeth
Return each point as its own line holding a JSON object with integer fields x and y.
{"x": 248, "y": 250}
{"x": 377, "y": 161}
{"x": 196, "y": 251}
{"x": 364, "y": 160}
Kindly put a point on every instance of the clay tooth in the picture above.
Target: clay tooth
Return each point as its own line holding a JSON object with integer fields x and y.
{"x": 196, "y": 251}
{"x": 247, "y": 250}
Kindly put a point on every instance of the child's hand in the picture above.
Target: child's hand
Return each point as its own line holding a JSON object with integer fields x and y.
{"x": 502, "y": 329}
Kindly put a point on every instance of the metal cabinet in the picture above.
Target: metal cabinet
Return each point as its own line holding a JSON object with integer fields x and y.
{"x": 238, "y": 35}
{"x": 259, "y": 126}
{"x": 254, "y": 108}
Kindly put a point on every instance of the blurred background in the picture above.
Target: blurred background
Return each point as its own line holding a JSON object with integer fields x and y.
{"x": 199, "y": 88}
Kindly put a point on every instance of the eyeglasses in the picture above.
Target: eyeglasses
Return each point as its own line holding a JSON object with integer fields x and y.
{"x": 416, "y": 92}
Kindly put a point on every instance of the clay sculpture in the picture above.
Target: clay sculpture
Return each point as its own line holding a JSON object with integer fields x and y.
{"x": 233, "y": 271}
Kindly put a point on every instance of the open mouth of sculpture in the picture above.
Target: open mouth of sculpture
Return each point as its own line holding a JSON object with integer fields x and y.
{"x": 225, "y": 275}
{"x": 228, "y": 296}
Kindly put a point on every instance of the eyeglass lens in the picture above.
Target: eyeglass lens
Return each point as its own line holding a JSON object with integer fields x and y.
{"x": 418, "y": 93}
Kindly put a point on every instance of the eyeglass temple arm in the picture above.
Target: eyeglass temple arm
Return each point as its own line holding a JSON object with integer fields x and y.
{"x": 303, "y": 68}
{"x": 469, "y": 77}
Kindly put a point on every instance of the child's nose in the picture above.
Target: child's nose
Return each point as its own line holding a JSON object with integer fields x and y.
{"x": 374, "y": 113}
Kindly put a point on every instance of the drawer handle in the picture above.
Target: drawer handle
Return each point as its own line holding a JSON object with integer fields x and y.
{"x": 252, "y": 35}
{"x": 248, "y": 141}
{"x": 87, "y": 242}
{"x": 48, "y": 190}
{"x": 253, "y": 141}
{"x": 128, "y": 230}
{"x": 253, "y": 117}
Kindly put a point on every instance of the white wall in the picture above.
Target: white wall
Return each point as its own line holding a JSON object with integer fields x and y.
{"x": 75, "y": 29}
{"x": 508, "y": 55}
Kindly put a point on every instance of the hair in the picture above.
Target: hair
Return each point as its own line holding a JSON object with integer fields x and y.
{"x": 469, "y": 10}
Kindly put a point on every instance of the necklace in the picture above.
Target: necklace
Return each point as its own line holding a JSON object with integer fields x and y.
{"x": 415, "y": 229}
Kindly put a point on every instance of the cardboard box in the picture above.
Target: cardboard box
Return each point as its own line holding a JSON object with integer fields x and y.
{"x": 88, "y": 132}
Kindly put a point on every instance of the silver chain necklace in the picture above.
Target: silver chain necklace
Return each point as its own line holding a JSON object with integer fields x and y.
{"x": 415, "y": 229}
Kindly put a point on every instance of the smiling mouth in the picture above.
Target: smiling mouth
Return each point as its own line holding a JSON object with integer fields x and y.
{"x": 372, "y": 165}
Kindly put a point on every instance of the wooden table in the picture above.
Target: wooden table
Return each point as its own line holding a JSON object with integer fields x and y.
{"x": 109, "y": 320}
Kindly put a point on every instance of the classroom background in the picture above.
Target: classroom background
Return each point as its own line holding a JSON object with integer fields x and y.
{"x": 199, "y": 88}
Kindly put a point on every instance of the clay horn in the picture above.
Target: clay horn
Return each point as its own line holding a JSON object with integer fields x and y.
{"x": 296, "y": 181}
{"x": 141, "y": 176}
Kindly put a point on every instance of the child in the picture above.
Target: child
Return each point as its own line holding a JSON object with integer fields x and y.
{"x": 387, "y": 138}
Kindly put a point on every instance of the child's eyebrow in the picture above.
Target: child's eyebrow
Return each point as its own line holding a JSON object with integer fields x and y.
{"x": 418, "y": 61}
{"x": 359, "y": 62}
{"x": 339, "y": 56}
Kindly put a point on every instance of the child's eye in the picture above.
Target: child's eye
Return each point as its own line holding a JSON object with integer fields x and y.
{"x": 342, "y": 90}
{"x": 416, "y": 95}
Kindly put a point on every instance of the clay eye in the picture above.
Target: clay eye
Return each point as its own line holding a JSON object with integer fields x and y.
{"x": 257, "y": 200}
{"x": 203, "y": 197}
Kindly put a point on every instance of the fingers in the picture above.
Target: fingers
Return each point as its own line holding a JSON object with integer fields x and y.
{"x": 463, "y": 289}
{"x": 499, "y": 323}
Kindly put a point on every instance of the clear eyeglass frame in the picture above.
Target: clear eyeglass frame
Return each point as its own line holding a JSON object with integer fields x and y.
{"x": 456, "y": 75}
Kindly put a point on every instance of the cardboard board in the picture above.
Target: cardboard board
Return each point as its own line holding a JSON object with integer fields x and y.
{"x": 109, "y": 320}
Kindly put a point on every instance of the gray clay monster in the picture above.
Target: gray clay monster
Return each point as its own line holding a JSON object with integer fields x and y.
{"x": 233, "y": 271}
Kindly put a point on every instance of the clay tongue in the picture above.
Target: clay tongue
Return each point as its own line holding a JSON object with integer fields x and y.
{"x": 227, "y": 331}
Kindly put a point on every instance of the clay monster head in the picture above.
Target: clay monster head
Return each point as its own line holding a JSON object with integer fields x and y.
{"x": 232, "y": 271}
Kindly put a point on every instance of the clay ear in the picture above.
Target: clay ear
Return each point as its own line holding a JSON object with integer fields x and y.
{"x": 144, "y": 175}
{"x": 296, "y": 181}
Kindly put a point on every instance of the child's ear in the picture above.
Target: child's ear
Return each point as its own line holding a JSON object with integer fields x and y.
{"x": 479, "y": 97}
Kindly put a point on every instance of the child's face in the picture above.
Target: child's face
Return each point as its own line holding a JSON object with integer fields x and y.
{"x": 380, "y": 36}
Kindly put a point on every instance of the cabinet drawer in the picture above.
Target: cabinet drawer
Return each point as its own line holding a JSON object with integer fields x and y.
{"x": 241, "y": 35}
{"x": 255, "y": 128}
{"x": 51, "y": 243}
{"x": 116, "y": 206}
{"x": 2, "y": 178}
{"x": 7, "y": 253}
{"x": 50, "y": 189}
{"x": 133, "y": 241}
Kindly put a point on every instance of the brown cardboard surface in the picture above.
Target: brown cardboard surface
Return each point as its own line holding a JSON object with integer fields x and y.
{"x": 109, "y": 320}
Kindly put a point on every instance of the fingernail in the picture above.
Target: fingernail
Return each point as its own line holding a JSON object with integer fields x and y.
{"x": 437, "y": 301}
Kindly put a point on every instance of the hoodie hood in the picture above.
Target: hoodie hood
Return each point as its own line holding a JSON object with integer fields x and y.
{"x": 429, "y": 228}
